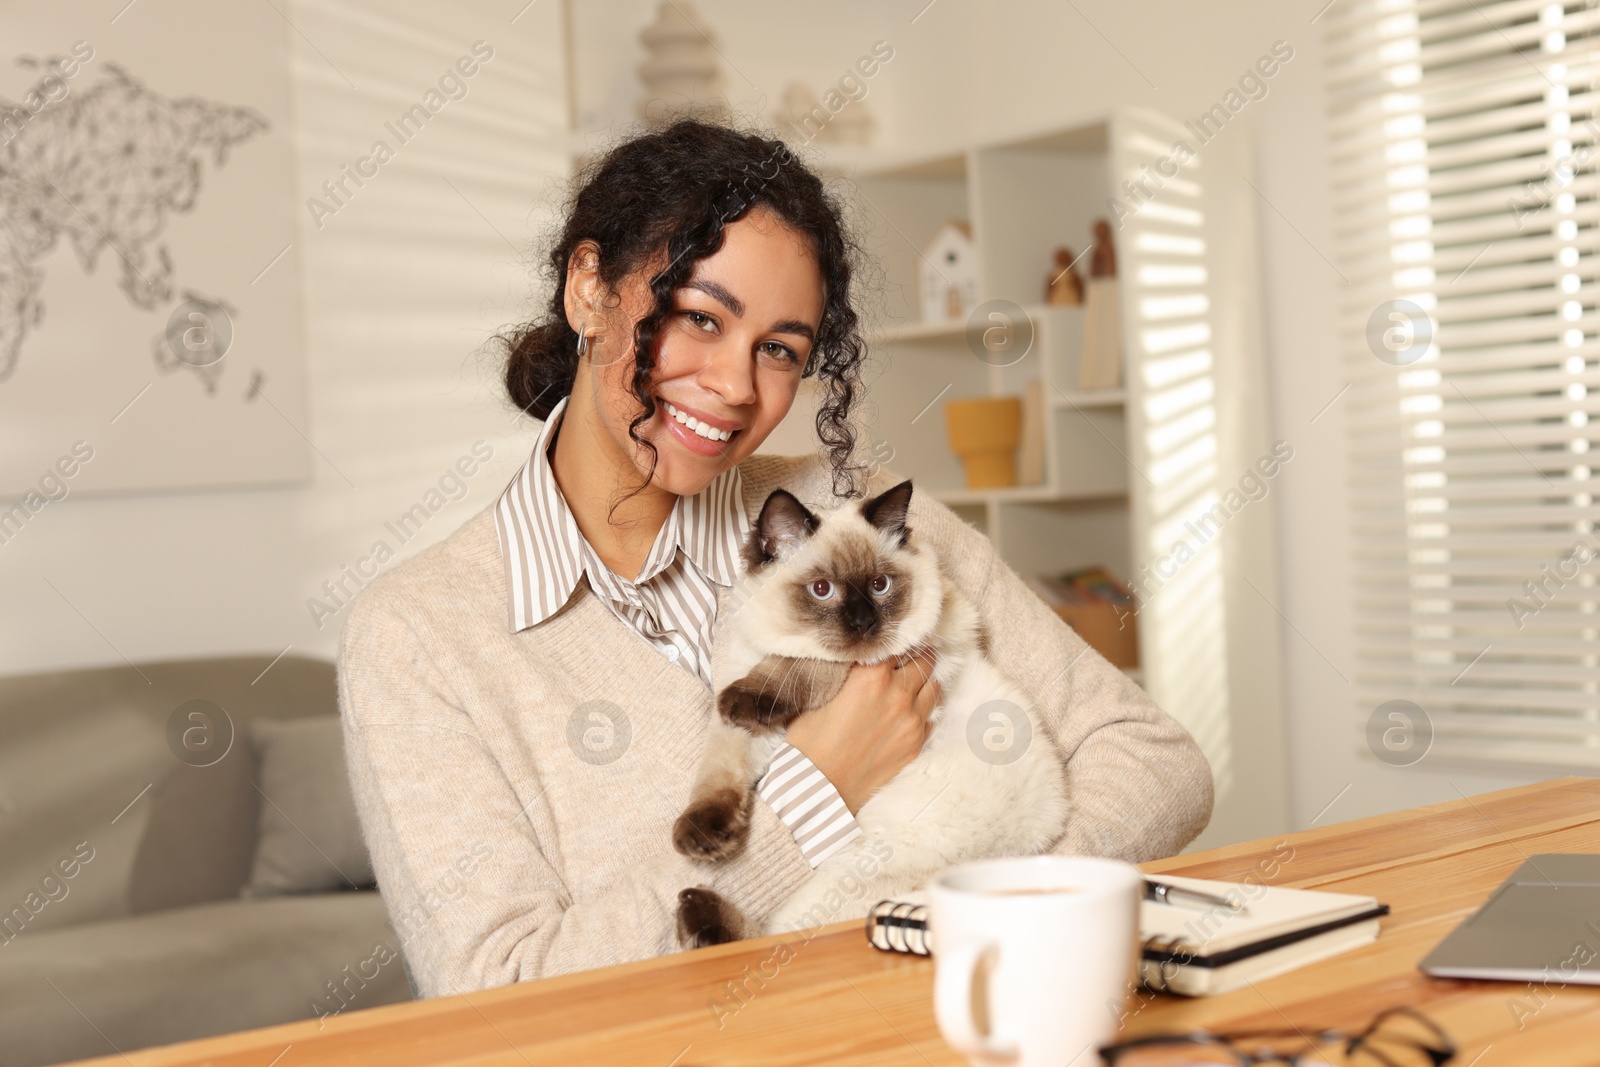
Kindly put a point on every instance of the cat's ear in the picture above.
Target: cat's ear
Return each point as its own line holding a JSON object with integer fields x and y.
{"x": 887, "y": 511}
{"x": 784, "y": 522}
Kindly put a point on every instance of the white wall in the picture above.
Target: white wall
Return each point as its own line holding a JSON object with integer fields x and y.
{"x": 402, "y": 288}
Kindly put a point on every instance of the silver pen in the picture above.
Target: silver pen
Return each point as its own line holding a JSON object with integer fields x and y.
{"x": 1165, "y": 892}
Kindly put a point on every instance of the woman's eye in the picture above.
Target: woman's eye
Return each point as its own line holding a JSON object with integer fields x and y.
{"x": 822, "y": 589}
{"x": 881, "y": 584}
{"x": 783, "y": 352}
{"x": 697, "y": 316}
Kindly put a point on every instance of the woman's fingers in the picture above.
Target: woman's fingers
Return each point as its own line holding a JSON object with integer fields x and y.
{"x": 918, "y": 671}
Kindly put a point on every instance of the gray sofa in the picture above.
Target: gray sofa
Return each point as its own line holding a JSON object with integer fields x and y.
{"x": 151, "y": 890}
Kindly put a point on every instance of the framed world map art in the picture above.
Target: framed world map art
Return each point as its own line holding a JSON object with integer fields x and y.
{"x": 151, "y": 330}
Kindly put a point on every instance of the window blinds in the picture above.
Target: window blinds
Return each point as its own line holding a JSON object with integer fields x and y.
{"x": 1465, "y": 137}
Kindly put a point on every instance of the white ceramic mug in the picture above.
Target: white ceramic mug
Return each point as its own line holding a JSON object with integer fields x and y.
{"x": 1033, "y": 956}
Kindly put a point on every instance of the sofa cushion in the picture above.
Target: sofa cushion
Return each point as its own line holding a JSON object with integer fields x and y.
{"x": 193, "y": 972}
{"x": 309, "y": 837}
{"x": 85, "y": 752}
{"x": 199, "y": 842}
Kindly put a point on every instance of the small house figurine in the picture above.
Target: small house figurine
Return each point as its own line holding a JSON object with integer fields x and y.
{"x": 948, "y": 273}
{"x": 1063, "y": 288}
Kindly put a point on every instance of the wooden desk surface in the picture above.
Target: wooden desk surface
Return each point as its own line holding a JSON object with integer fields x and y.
{"x": 838, "y": 1001}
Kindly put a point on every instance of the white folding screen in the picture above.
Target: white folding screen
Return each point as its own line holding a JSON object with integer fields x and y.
{"x": 1464, "y": 136}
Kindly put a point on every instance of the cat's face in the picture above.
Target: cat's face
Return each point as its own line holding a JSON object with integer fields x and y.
{"x": 843, "y": 585}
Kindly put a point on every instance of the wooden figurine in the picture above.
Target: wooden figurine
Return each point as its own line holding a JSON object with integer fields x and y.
{"x": 1063, "y": 288}
{"x": 1103, "y": 261}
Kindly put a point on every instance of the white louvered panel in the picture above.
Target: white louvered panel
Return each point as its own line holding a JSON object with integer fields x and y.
{"x": 1516, "y": 438}
{"x": 1546, "y": 544}
{"x": 1364, "y": 174}
{"x": 1464, "y": 149}
{"x": 1165, "y": 265}
{"x": 1551, "y": 377}
{"x": 1450, "y": 411}
{"x": 1529, "y": 300}
{"x": 1532, "y": 358}
{"x": 1372, "y": 253}
{"x": 1376, "y": 275}
{"x": 1528, "y": 672}
{"x": 1549, "y": 644}
{"x": 1460, "y": 649}
{"x": 1468, "y": 491}
{"x": 1502, "y": 705}
{"x": 1555, "y": 755}
{"x": 1492, "y": 277}
{"x": 1485, "y": 100}
{"x": 1394, "y": 622}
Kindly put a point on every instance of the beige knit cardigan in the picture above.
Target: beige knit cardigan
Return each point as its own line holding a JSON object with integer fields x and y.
{"x": 509, "y": 845}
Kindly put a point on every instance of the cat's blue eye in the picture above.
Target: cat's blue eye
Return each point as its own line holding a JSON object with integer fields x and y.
{"x": 822, "y": 589}
{"x": 881, "y": 584}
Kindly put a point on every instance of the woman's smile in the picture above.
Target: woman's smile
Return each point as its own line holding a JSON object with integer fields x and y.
{"x": 697, "y": 431}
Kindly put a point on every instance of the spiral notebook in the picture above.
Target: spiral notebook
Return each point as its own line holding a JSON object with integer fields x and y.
{"x": 1197, "y": 951}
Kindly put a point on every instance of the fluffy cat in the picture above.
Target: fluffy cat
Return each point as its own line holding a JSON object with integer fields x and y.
{"x": 825, "y": 591}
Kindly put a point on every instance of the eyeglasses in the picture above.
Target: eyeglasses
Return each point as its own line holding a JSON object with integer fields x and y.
{"x": 1396, "y": 1037}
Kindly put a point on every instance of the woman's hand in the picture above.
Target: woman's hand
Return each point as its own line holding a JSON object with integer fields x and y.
{"x": 875, "y": 725}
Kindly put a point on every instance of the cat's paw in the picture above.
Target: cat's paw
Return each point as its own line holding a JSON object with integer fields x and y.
{"x": 753, "y": 709}
{"x": 715, "y": 828}
{"x": 704, "y": 918}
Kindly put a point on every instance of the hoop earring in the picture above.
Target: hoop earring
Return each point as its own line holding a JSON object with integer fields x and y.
{"x": 583, "y": 342}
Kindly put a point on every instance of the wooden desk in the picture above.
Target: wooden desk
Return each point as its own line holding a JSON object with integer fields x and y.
{"x": 838, "y": 1001}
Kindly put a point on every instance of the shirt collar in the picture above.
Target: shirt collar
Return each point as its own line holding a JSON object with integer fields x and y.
{"x": 545, "y": 553}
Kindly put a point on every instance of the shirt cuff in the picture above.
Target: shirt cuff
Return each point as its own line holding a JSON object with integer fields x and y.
{"x": 808, "y": 804}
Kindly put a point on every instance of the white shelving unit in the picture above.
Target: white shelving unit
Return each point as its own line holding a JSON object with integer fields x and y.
{"x": 1128, "y": 470}
{"x": 1022, "y": 199}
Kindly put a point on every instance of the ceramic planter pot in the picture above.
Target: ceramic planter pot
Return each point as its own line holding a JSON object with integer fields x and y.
{"x": 985, "y": 432}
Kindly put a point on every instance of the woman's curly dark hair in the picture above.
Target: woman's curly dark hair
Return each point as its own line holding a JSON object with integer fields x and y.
{"x": 672, "y": 192}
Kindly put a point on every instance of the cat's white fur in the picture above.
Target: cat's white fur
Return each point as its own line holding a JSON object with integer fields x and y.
{"x": 946, "y": 806}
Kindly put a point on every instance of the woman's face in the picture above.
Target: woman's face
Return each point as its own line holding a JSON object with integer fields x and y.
{"x": 728, "y": 357}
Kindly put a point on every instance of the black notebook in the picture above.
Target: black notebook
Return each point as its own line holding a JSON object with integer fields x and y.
{"x": 1197, "y": 951}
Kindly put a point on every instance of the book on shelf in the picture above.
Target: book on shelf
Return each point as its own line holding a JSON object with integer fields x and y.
{"x": 1097, "y": 605}
{"x": 1030, "y": 453}
{"x": 1100, "y": 359}
{"x": 1196, "y": 950}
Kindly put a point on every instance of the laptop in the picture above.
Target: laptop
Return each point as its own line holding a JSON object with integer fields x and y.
{"x": 1542, "y": 924}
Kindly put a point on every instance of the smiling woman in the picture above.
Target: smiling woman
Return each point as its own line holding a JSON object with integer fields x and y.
{"x": 725, "y": 359}
{"x": 542, "y": 678}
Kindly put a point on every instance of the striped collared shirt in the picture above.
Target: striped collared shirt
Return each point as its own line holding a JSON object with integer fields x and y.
{"x": 672, "y": 603}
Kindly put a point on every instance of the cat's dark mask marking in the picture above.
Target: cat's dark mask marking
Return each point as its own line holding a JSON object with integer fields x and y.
{"x": 852, "y": 621}
{"x": 783, "y": 521}
{"x": 887, "y": 511}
